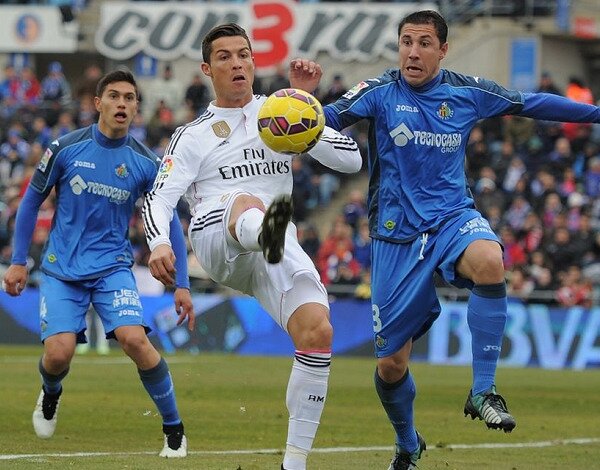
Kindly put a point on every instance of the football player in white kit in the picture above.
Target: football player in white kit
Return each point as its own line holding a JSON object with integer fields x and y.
{"x": 239, "y": 193}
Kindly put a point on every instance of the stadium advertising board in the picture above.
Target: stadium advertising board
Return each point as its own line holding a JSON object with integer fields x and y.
{"x": 279, "y": 30}
{"x": 36, "y": 28}
{"x": 535, "y": 336}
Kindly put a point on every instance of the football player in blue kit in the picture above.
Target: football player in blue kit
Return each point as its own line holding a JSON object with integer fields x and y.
{"x": 423, "y": 219}
{"x": 98, "y": 173}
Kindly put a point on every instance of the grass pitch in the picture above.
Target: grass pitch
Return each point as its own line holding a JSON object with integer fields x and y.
{"x": 234, "y": 412}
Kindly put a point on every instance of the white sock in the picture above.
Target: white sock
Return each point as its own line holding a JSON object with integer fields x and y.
{"x": 306, "y": 393}
{"x": 248, "y": 227}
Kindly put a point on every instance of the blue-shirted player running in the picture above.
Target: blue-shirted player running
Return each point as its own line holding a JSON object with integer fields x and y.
{"x": 423, "y": 219}
{"x": 98, "y": 173}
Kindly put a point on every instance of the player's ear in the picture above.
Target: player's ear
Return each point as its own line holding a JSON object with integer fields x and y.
{"x": 205, "y": 67}
{"x": 97, "y": 103}
{"x": 443, "y": 50}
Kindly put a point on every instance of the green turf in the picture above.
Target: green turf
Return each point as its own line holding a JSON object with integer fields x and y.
{"x": 238, "y": 403}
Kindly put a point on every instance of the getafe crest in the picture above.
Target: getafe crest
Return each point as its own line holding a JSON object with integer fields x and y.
{"x": 221, "y": 129}
{"x": 121, "y": 170}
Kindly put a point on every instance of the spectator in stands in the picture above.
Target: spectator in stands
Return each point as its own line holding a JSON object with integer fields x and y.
{"x": 335, "y": 91}
{"x": 197, "y": 96}
{"x": 85, "y": 89}
{"x": 517, "y": 213}
{"x": 336, "y": 248}
{"x": 56, "y": 92}
{"x": 30, "y": 91}
{"x": 513, "y": 254}
{"x": 40, "y": 131}
{"x": 519, "y": 130}
{"x": 161, "y": 125}
{"x": 560, "y": 158}
{"x": 574, "y": 289}
{"x": 577, "y": 91}
{"x": 280, "y": 79}
{"x": 519, "y": 283}
{"x": 64, "y": 124}
{"x": 561, "y": 249}
{"x": 592, "y": 178}
{"x": 308, "y": 238}
{"x": 355, "y": 208}
{"x": 514, "y": 172}
{"x": 532, "y": 233}
{"x": 304, "y": 193}
{"x": 547, "y": 85}
{"x": 15, "y": 146}
{"x": 362, "y": 244}
{"x": 9, "y": 92}
{"x": 487, "y": 194}
{"x": 165, "y": 92}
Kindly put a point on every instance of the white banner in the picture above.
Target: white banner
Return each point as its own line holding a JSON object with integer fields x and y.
{"x": 279, "y": 30}
{"x": 36, "y": 28}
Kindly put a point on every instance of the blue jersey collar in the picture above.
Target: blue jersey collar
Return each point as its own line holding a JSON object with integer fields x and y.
{"x": 105, "y": 141}
{"x": 434, "y": 82}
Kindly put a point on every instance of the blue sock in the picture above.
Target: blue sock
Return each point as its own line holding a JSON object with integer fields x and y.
{"x": 397, "y": 400}
{"x": 157, "y": 382}
{"x": 51, "y": 383}
{"x": 486, "y": 316}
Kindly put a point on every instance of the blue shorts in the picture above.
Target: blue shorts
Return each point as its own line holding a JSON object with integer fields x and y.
{"x": 63, "y": 304}
{"x": 403, "y": 295}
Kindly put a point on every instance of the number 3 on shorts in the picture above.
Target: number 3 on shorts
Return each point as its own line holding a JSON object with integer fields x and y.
{"x": 376, "y": 319}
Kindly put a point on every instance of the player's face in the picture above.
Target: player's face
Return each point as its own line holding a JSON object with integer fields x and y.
{"x": 231, "y": 70}
{"x": 420, "y": 53}
{"x": 117, "y": 107}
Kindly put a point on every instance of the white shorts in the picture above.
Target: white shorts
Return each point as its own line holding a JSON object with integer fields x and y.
{"x": 280, "y": 288}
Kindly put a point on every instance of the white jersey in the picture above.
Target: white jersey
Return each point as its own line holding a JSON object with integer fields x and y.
{"x": 221, "y": 152}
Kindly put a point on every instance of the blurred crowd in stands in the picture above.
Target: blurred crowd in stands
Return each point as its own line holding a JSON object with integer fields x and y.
{"x": 538, "y": 183}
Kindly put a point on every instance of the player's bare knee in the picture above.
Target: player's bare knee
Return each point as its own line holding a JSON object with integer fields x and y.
{"x": 489, "y": 268}
{"x": 392, "y": 368}
{"x": 57, "y": 360}
{"x": 133, "y": 344}
{"x": 316, "y": 335}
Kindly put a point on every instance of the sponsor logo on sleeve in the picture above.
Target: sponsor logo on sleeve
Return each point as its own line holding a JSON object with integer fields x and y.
{"x": 44, "y": 160}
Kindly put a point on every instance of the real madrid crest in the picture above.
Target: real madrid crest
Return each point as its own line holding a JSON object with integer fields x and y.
{"x": 221, "y": 129}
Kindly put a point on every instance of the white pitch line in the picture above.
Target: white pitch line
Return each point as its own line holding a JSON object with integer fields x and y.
{"x": 322, "y": 450}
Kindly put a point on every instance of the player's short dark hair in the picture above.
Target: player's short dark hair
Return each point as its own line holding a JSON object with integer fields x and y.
{"x": 223, "y": 30}
{"x": 427, "y": 17}
{"x": 119, "y": 75}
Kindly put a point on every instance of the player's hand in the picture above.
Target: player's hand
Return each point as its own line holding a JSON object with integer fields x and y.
{"x": 184, "y": 307}
{"x": 162, "y": 264}
{"x": 305, "y": 74}
{"x": 15, "y": 279}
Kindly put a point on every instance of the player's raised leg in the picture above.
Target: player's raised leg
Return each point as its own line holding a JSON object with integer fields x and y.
{"x": 486, "y": 316}
{"x": 260, "y": 229}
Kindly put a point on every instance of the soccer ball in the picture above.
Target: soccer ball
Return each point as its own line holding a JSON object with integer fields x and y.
{"x": 291, "y": 121}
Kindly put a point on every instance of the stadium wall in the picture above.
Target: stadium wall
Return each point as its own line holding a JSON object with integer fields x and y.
{"x": 535, "y": 336}
{"x": 356, "y": 40}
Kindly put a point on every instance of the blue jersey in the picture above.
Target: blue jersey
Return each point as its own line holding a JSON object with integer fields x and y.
{"x": 417, "y": 140}
{"x": 97, "y": 182}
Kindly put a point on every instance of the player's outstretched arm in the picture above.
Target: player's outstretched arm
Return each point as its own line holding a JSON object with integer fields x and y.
{"x": 304, "y": 74}
{"x": 549, "y": 107}
{"x": 337, "y": 151}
